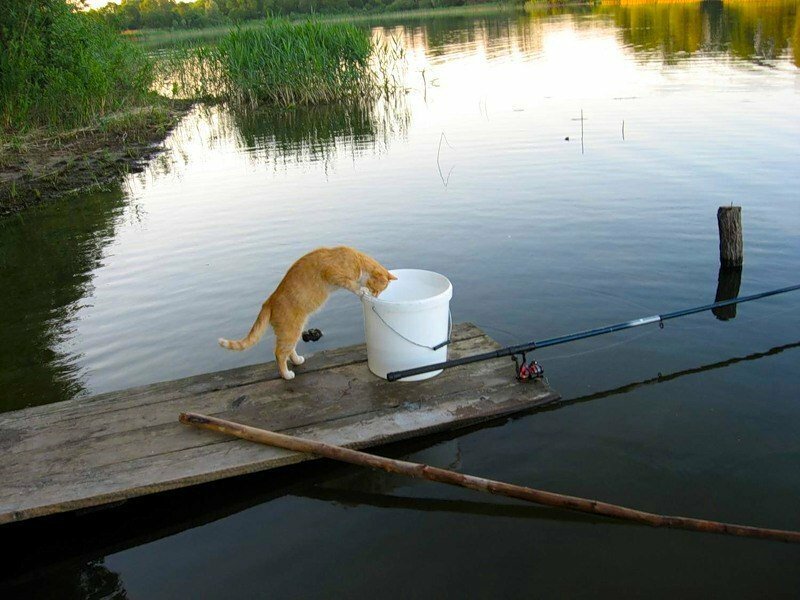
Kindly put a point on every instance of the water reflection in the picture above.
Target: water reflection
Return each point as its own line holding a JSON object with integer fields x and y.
{"x": 47, "y": 258}
{"x": 660, "y": 378}
{"x": 745, "y": 29}
{"x": 729, "y": 281}
{"x": 321, "y": 133}
{"x": 672, "y": 30}
{"x": 280, "y": 138}
{"x": 495, "y": 37}
{"x": 90, "y": 579}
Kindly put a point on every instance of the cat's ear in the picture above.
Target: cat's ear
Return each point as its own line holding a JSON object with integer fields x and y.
{"x": 392, "y": 277}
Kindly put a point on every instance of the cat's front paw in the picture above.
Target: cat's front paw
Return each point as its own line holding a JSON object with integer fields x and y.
{"x": 288, "y": 376}
{"x": 298, "y": 360}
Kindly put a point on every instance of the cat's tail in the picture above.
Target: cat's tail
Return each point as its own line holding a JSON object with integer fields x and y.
{"x": 256, "y": 331}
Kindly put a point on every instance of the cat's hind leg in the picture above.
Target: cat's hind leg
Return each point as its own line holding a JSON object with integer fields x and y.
{"x": 296, "y": 358}
{"x": 286, "y": 338}
{"x": 282, "y": 353}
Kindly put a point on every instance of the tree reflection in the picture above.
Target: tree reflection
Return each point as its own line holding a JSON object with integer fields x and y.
{"x": 47, "y": 258}
{"x": 84, "y": 580}
{"x": 746, "y": 29}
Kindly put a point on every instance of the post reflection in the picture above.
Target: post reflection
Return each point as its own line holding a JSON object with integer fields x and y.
{"x": 728, "y": 282}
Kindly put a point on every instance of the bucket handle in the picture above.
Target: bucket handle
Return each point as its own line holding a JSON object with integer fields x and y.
{"x": 437, "y": 346}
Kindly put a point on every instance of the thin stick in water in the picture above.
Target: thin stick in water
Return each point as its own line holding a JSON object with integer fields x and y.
{"x": 421, "y": 471}
{"x": 445, "y": 182}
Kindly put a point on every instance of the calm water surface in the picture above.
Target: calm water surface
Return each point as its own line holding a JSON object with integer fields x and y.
{"x": 564, "y": 171}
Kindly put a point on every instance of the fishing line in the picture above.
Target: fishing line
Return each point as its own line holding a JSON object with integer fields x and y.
{"x": 606, "y": 347}
{"x": 506, "y": 331}
{"x": 581, "y": 353}
{"x": 584, "y": 288}
{"x": 576, "y": 287}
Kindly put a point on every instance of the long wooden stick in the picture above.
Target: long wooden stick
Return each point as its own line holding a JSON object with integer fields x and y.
{"x": 421, "y": 471}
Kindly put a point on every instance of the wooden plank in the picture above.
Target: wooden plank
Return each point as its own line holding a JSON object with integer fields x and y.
{"x": 196, "y": 384}
{"x": 129, "y": 443}
{"x": 285, "y": 402}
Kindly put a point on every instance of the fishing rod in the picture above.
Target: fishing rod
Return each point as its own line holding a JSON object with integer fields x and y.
{"x": 534, "y": 370}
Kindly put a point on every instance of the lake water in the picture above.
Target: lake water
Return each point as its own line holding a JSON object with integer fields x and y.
{"x": 564, "y": 170}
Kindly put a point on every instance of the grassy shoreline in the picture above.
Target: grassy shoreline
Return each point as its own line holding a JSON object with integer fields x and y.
{"x": 42, "y": 165}
{"x": 43, "y": 161}
{"x": 113, "y": 125}
{"x": 75, "y": 102}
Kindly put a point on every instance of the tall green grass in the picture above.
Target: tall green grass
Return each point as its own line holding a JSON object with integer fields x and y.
{"x": 60, "y": 67}
{"x": 284, "y": 63}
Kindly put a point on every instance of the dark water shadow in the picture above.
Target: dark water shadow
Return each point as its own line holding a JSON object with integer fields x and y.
{"x": 729, "y": 281}
{"x": 353, "y": 498}
{"x": 47, "y": 259}
{"x": 629, "y": 387}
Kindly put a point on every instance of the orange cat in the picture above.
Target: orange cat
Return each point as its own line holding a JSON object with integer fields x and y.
{"x": 303, "y": 290}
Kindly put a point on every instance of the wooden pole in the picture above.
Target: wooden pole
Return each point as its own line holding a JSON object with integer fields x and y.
{"x": 480, "y": 484}
{"x": 731, "y": 246}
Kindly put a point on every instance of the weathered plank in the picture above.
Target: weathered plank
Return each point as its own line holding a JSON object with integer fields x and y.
{"x": 285, "y": 402}
{"x": 46, "y": 414}
{"x": 125, "y": 444}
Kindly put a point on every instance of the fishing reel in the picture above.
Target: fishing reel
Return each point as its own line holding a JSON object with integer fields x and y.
{"x": 312, "y": 335}
{"x": 527, "y": 371}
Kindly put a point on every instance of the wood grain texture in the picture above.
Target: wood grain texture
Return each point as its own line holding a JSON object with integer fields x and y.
{"x": 92, "y": 451}
{"x": 731, "y": 244}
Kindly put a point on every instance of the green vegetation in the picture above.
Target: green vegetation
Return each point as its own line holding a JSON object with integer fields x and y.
{"x": 76, "y": 106}
{"x": 284, "y": 63}
{"x": 77, "y": 99}
{"x": 169, "y": 14}
{"x": 60, "y": 67}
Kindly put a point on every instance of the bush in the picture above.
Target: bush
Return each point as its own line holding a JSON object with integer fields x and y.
{"x": 63, "y": 68}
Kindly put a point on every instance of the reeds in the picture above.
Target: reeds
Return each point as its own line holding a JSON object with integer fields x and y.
{"x": 283, "y": 63}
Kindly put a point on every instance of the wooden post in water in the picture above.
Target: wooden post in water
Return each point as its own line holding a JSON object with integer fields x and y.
{"x": 420, "y": 471}
{"x": 731, "y": 246}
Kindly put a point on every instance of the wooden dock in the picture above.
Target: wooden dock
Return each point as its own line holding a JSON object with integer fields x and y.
{"x": 93, "y": 451}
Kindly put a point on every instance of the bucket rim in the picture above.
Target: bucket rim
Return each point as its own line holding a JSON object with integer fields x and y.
{"x": 413, "y": 304}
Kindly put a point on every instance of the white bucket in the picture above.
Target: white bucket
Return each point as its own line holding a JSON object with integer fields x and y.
{"x": 406, "y": 322}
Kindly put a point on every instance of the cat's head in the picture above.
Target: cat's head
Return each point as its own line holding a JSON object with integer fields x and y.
{"x": 378, "y": 281}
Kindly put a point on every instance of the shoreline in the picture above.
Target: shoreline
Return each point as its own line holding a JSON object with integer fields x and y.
{"x": 155, "y": 38}
{"x": 43, "y": 166}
